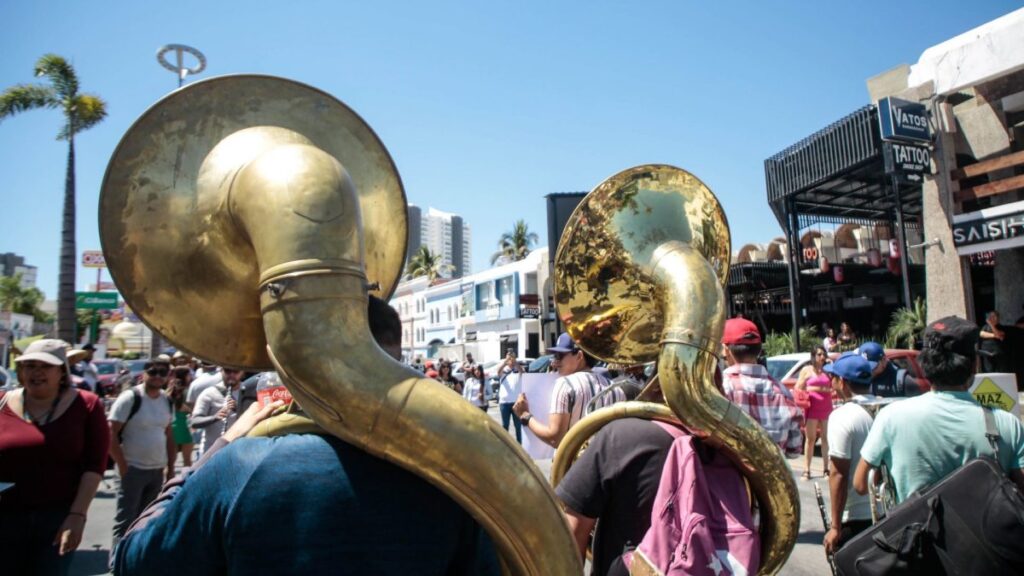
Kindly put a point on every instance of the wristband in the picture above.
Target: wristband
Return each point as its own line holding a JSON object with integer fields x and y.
{"x": 77, "y": 514}
{"x": 525, "y": 419}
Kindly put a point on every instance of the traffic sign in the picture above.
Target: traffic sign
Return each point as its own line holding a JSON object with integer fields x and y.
{"x": 996, "y": 391}
{"x": 93, "y": 259}
{"x": 96, "y": 300}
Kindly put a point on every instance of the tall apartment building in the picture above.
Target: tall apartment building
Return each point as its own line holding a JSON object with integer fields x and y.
{"x": 11, "y": 264}
{"x": 443, "y": 233}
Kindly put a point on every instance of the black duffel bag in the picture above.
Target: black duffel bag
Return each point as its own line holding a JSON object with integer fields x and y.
{"x": 971, "y": 522}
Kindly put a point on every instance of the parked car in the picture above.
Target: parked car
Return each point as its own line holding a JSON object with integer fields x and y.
{"x": 135, "y": 368}
{"x": 109, "y": 370}
{"x": 540, "y": 364}
{"x": 7, "y": 380}
{"x": 786, "y": 367}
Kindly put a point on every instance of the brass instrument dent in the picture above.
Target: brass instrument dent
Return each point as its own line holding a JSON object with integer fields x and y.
{"x": 641, "y": 268}
{"x": 234, "y": 225}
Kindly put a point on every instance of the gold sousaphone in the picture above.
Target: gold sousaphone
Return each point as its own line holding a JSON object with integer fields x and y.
{"x": 640, "y": 271}
{"x": 245, "y": 218}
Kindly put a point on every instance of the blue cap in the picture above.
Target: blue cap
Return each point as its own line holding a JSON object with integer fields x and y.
{"x": 872, "y": 351}
{"x": 564, "y": 344}
{"x": 852, "y": 367}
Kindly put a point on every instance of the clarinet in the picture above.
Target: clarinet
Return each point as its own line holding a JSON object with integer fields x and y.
{"x": 824, "y": 520}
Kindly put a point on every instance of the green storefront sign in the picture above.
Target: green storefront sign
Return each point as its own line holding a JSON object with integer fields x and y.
{"x": 96, "y": 300}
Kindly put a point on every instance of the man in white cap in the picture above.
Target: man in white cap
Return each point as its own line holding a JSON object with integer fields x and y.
{"x": 571, "y": 395}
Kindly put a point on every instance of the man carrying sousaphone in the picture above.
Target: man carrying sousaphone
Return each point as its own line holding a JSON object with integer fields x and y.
{"x": 394, "y": 474}
{"x": 338, "y": 503}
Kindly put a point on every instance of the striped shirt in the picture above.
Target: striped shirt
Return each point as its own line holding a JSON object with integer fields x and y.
{"x": 573, "y": 393}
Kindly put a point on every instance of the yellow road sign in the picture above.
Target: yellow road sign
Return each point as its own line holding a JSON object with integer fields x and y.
{"x": 988, "y": 393}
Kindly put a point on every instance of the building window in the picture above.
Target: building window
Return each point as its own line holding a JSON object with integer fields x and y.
{"x": 505, "y": 291}
{"x": 485, "y": 296}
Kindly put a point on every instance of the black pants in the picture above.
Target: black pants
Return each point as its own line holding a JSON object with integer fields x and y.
{"x": 26, "y": 544}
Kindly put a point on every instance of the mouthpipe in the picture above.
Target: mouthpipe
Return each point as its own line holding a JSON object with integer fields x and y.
{"x": 296, "y": 206}
{"x": 693, "y": 307}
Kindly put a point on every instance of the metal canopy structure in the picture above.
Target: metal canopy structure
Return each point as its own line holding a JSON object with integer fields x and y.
{"x": 837, "y": 176}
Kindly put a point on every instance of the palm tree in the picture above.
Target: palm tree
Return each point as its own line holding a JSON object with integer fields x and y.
{"x": 16, "y": 298}
{"x": 516, "y": 244}
{"x": 81, "y": 112}
{"x": 426, "y": 263}
{"x": 907, "y": 325}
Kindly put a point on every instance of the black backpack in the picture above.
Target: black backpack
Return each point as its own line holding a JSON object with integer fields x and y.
{"x": 136, "y": 404}
{"x": 971, "y": 522}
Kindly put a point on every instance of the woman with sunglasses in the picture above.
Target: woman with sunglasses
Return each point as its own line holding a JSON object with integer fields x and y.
{"x": 53, "y": 447}
{"x": 444, "y": 376}
{"x": 473, "y": 389}
{"x": 818, "y": 385}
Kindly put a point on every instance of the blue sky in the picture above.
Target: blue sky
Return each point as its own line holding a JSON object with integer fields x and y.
{"x": 486, "y": 107}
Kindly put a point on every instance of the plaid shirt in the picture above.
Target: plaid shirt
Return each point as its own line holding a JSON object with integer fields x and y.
{"x": 752, "y": 388}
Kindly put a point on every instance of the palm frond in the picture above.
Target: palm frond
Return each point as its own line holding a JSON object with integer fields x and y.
{"x": 86, "y": 111}
{"x": 907, "y": 325}
{"x": 515, "y": 244}
{"x": 60, "y": 73}
{"x": 24, "y": 97}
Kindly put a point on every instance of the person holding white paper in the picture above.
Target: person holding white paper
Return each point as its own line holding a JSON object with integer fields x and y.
{"x": 574, "y": 389}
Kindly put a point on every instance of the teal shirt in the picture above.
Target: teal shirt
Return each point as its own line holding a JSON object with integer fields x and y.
{"x": 921, "y": 440}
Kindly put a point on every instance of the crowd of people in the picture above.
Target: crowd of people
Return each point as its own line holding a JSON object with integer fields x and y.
{"x": 56, "y": 441}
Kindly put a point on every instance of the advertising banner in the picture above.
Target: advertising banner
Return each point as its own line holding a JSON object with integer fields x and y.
{"x": 93, "y": 259}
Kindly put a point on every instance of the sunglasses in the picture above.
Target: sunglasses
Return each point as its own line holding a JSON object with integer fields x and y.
{"x": 560, "y": 355}
{"x": 158, "y": 372}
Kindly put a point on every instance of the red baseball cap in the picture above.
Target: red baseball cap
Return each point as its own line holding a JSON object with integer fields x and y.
{"x": 740, "y": 331}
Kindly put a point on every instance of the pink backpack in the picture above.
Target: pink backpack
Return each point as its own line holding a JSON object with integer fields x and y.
{"x": 701, "y": 522}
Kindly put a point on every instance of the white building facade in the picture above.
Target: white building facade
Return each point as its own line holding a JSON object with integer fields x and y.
{"x": 487, "y": 314}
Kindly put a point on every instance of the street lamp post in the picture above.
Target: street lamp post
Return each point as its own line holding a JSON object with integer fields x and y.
{"x": 178, "y": 67}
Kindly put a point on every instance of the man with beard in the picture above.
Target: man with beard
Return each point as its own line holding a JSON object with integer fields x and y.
{"x": 216, "y": 408}
{"x": 141, "y": 443}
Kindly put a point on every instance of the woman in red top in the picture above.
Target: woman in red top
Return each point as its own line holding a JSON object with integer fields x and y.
{"x": 53, "y": 446}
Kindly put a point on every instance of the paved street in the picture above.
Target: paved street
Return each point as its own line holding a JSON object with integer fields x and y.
{"x": 807, "y": 558}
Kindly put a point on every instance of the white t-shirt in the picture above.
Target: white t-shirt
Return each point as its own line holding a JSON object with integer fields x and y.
{"x": 202, "y": 382}
{"x": 848, "y": 427}
{"x": 510, "y": 387}
{"x": 145, "y": 435}
{"x": 471, "y": 391}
